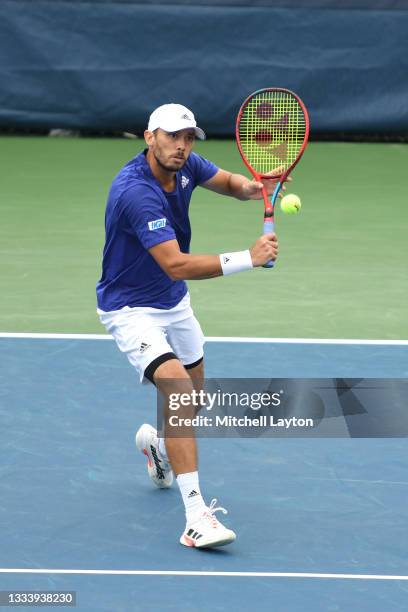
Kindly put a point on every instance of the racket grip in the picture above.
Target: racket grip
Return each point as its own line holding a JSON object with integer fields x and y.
{"x": 267, "y": 229}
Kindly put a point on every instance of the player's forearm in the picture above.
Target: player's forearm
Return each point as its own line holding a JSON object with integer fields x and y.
{"x": 238, "y": 186}
{"x": 195, "y": 267}
{"x": 183, "y": 266}
{"x": 199, "y": 267}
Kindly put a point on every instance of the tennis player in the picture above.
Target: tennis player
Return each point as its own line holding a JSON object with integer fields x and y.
{"x": 143, "y": 299}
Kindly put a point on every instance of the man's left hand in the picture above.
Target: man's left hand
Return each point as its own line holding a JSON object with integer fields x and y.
{"x": 253, "y": 189}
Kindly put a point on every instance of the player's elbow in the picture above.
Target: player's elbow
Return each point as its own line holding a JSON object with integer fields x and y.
{"x": 175, "y": 269}
{"x": 173, "y": 275}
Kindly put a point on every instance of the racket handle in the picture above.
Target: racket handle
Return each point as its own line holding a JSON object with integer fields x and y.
{"x": 267, "y": 229}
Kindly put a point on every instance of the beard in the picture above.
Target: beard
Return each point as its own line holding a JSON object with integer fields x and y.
{"x": 170, "y": 167}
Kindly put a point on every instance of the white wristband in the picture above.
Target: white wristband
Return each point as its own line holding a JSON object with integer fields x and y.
{"x": 236, "y": 262}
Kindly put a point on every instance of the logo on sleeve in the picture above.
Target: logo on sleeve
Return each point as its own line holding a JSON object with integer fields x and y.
{"x": 157, "y": 224}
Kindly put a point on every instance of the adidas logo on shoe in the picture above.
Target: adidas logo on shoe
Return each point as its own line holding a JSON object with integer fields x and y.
{"x": 192, "y": 494}
{"x": 194, "y": 535}
{"x": 160, "y": 472}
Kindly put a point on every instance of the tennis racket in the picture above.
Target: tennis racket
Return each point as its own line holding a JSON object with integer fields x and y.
{"x": 272, "y": 130}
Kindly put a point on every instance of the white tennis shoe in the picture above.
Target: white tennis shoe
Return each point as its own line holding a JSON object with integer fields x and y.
{"x": 206, "y": 531}
{"x": 158, "y": 468}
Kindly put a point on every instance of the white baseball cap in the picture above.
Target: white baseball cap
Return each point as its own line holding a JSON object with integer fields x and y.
{"x": 172, "y": 118}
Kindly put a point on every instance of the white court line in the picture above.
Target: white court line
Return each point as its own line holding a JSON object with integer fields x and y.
{"x": 308, "y": 340}
{"x": 36, "y": 336}
{"x": 219, "y": 339}
{"x": 202, "y": 573}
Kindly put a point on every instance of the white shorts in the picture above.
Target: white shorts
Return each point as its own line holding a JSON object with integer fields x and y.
{"x": 145, "y": 334}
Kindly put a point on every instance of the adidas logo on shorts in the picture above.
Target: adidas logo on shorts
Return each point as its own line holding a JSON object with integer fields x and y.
{"x": 143, "y": 347}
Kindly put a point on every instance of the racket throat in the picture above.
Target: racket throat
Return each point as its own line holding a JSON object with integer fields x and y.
{"x": 268, "y": 204}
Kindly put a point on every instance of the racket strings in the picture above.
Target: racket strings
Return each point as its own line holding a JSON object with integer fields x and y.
{"x": 272, "y": 130}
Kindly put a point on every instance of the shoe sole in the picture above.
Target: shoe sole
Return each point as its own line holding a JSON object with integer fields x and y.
{"x": 138, "y": 439}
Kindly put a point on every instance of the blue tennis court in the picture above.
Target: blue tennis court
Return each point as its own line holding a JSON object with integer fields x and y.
{"x": 321, "y": 523}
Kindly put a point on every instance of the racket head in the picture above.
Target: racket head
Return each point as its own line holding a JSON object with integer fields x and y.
{"x": 272, "y": 130}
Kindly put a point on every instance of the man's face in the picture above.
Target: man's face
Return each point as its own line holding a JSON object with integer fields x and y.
{"x": 171, "y": 149}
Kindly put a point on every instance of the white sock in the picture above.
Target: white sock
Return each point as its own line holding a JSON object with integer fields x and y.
{"x": 162, "y": 449}
{"x": 191, "y": 494}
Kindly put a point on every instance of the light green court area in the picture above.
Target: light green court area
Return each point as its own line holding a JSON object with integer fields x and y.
{"x": 342, "y": 268}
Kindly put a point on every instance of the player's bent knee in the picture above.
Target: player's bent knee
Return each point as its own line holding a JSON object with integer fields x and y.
{"x": 173, "y": 381}
{"x": 158, "y": 365}
{"x": 166, "y": 367}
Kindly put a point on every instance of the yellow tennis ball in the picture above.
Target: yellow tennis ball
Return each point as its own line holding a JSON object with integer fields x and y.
{"x": 291, "y": 204}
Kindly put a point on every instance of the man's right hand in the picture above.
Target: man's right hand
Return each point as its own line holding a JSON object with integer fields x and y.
{"x": 264, "y": 249}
